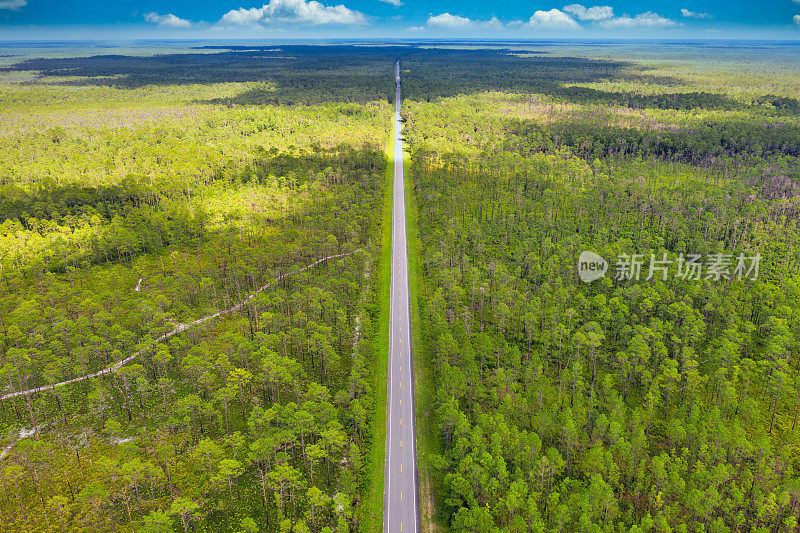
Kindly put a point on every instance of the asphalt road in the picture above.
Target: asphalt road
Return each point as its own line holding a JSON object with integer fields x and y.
{"x": 401, "y": 501}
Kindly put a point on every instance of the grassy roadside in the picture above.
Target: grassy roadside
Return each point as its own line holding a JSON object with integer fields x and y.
{"x": 371, "y": 515}
{"x": 428, "y": 445}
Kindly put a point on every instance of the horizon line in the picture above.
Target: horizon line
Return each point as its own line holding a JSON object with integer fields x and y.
{"x": 401, "y": 39}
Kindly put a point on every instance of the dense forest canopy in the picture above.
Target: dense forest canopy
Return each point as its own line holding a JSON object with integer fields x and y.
{"x": 201, "y": 276}
{"x": 625, "y": 404}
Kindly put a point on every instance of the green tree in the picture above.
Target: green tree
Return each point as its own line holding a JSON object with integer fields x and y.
{"x": 184, "y": 508}
{"x": 229, "y": 470}
{"x": 95, "y": 494}
{"x": 157, "y": 522}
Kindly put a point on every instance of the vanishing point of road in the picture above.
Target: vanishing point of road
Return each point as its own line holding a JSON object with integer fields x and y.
{"x": 400, "y": 498}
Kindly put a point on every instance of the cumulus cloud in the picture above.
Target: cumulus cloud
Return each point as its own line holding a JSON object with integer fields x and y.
{"x": 555, "y": 19}
{"x": 168, "y": 21}
{"x": 455, "y": 22}
{"x": 590, "y": 13}
{"x": 695, "y": 15}
{"x": 448, "y": 21}
{"x": 301, "y": 12}
{"x": 395, "y": 3}
{"x": 493, "y": 22}
{"x": 797, "y": 19}
{"x": 642, "y": 20}
{"x": 415, "y": 29}
{"x": 13, "y": 5}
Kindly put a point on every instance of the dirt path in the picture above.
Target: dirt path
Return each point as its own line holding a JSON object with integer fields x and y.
{"x": 180, "y": 327}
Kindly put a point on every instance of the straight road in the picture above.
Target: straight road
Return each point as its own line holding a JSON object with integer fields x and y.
{"x": 400, "y": 498}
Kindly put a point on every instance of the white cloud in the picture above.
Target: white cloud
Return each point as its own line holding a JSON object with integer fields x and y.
{"x": 491, "y": 24}
{"x": 311, "y": 13}
{"x": 797, "y": 19}
{"x": 415, "y": 29}
{"x": 695, "y": 15}
{"x": 13, "y": 5}
{"x": 395, "y": 3}
{"x": 447, "y": 21}
{"x": 450, "y": 22}
{"x": 555, "y": 19}
{"x": 590, "y": 13}
{"x": 642, "y": 20}
{"x": 168, "y": 21}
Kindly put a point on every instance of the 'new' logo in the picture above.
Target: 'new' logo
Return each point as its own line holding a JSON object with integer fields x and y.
{"x": 591, "y": 266}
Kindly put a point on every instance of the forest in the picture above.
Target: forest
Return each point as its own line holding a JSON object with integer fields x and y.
{"x": 189, "y": 300}
{"x": 194, "y": 272}
{"x": 667, "y": 404}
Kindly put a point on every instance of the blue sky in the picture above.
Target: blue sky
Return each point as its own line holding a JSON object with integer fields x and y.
{"x": 512, "y": 19}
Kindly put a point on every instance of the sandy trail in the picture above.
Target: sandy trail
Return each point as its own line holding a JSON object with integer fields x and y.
{"x": 178, "y": 328}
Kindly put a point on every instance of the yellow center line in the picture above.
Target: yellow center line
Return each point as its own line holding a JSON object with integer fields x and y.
{"x": 401, "y": 444}
{"x": 401, "y": 495}
{"x": 401, "y": 421}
